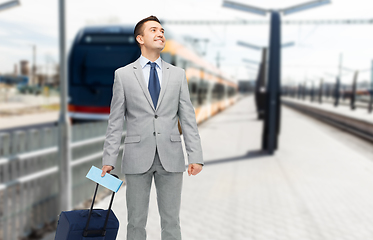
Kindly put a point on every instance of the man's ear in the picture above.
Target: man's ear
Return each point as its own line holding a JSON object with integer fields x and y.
{"x": 139, "y": 39}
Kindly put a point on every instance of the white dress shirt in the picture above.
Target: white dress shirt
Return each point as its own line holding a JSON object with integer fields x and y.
{"x": 146, "y": 69}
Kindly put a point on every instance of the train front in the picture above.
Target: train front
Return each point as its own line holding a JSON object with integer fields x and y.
{"x": 95, "y": 55}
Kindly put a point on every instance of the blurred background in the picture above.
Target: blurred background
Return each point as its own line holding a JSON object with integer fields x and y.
{"x": 324, "y": 70}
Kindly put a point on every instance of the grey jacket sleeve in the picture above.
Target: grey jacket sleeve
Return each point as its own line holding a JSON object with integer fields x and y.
{"x": 115, "y": 124}
{"x": 188, "y": 124}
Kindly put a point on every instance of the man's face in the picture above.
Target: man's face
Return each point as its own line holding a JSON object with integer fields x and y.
{"x": 153, "y": 36}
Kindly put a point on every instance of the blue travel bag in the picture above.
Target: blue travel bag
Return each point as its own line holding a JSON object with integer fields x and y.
{"x": 88, "y": 224}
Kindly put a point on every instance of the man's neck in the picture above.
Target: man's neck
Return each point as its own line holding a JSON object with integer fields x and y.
{"x": 152, "y": 56}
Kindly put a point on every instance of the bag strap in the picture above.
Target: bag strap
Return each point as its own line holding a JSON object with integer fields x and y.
{"x": 102, "y": 232}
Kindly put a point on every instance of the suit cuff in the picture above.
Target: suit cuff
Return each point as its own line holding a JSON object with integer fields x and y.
{"x": 109, "y": 162}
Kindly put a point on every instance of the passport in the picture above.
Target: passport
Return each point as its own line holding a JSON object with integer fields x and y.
{"x": 107, "y": 181}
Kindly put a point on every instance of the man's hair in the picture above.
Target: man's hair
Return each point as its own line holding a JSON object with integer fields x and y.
{"x": 139, "y": 27}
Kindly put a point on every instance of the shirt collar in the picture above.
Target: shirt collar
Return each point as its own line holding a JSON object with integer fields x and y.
{"x": 144, "y": 61}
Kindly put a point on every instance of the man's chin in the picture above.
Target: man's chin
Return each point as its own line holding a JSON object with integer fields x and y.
{"x": 159, "y": 48}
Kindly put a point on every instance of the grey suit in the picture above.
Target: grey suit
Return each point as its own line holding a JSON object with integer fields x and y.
{"x": 152, "y": 142}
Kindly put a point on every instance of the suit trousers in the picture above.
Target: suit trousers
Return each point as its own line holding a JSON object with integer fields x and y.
{"x": 168, "y": 186}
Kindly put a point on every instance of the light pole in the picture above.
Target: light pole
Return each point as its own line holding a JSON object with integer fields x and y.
{"x": 321, "y": 90}
{"x": 272, "y": 112}
{"x": 260, "y": 91}
{"x": 311, "y": 92}
{"x": 370, "y": 108}
{"x": 354, "y": 85}
{"x": 261, "y": 78}
{"x": 335, "y": 94}
{"x": 65, "y": 185}
{"x": 338, "y": 83}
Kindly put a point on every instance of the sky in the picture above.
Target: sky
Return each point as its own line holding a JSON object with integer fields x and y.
{"x": 315, "y": 55}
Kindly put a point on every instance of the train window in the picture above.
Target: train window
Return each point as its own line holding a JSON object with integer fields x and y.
{"x": 96, "y": 65}
{"x": 202, "y": 92}
{"x": 107, "y": 39}
{"x": 193, "y": 90}
{"x": 231, "y": 91}
{"x": 218, "y": 92}
{"x": 192, "y": 86}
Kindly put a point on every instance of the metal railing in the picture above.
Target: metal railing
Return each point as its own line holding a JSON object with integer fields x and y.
{"x": 29, "y": 191}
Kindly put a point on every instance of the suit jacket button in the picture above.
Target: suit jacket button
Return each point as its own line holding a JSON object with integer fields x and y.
{"x": 156, "y": 116}
{"x": 154, "y": 133}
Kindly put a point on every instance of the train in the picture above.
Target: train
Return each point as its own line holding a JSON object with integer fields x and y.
{"x": 362, "y": 95}
{"x": 97, "y": 51}
{"x": 14, "y": 80}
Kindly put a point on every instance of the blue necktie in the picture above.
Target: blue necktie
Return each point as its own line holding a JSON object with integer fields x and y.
{"x": 154, "y": 87}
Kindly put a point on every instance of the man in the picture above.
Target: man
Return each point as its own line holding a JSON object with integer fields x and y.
{"x": 152, "y": 95}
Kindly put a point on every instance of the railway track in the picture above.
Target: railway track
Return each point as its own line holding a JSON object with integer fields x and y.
{"x": 357, "y": 127}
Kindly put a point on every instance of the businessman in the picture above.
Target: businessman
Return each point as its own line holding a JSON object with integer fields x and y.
{"x": 152, "y": 95}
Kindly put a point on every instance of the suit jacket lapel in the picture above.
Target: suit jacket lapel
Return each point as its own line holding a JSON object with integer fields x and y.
{"x": 165, "y": 77}
{"x": 140, "y": 78}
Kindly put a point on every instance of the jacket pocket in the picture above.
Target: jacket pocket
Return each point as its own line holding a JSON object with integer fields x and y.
{"x": 176, "y": 138}
{"x": 132, "y": 139}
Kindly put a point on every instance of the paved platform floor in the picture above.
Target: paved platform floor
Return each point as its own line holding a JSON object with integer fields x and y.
{"x": 315, "y": 187}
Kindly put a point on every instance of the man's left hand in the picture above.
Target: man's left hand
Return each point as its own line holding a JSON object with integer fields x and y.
{"x": 194, "y": 168}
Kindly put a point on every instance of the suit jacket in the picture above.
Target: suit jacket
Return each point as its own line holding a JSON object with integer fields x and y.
{"x": 149, "y": 128}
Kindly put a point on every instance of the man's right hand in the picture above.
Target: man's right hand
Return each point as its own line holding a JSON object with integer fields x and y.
{"x": 106, "y": 169}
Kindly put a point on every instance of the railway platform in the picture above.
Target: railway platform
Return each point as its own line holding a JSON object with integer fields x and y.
{"x": 22, "y": 110}
{"x": 343, "y": 109}
{"x": 358, "y": 121}
{"x": 317, "y": 185}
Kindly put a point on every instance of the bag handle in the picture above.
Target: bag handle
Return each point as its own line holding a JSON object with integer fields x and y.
{"x": 102, "y": 232}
